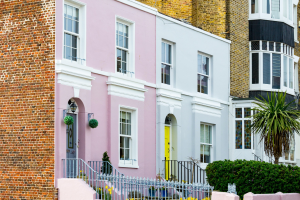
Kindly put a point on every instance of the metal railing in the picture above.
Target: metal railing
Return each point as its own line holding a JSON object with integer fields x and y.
{"x": 184, "y": 171}
{"x": 118, "y": 187}
{"x": 256, "y": 158}
{"x": 104, "y": 167}
{"x": 78, "y": 168}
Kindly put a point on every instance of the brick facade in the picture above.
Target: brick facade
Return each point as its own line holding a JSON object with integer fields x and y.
{"x": 27, "y": 62}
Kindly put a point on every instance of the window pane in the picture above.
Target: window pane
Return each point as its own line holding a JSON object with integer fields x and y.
{"x": 124, "y": 70}
{"x": 255, "y": 45}
{"x": 124, "y": 130}
{"x": 205, "y": 65}
{"x": 69, "y": 25}
{"x": 120, "y": 43}
{"x": 128, "y": 117}
{"x": 202, "y": 153}
{"x": 254, "y": 6}
{"x": 266, "y": 6}
{"x": 166, "y": 74}
{"x": 285, "y": 71}
{"x": 124, "y": 56}
{"x": 266, "y": 68}
{"x": 291, "y": 74}
{"x": 126, "y": 154}
{"x": 275, "y": 9}
{"x": 120, "y": 29}
{"x": 238, "y": 113}
{"x": 198, "y": 82}
{"x": 247, "y": 112}
{"x": 204, "y": 84}
{"x": 122, "y": 154}
{"x": 207, "y": 137}
{"x": 264, "y": 45}
{"x": 123, "y": 117}
{"x": 162, "y": 73}
{"x": 65, "y": 10}
{"x": 122, "y": 142}
{"x": 126, "y": 142}
{"x": 238, "y": 135}
{"x": 163, "y": 52}
{"x": 169, "y": 54}
{"x": 199, "y": 63}
{"x": 68, "y": 53}
{"x": 74, "y": 54}
{"x": 271, "y": 46}
{"x": 126, "y": 42}
{"x": 255, "y": 68}
{"x": 65, "y": 23}
{"x": 74, "y": 41}
{"x": 128, "y": 129}
{"x": 69, "y": 12}
{"x": 75, "y": 27}
{"x": 247, "y": 131}
{"x": 276, "y": 70}
{"x": 125, "y": 30}
{"x": 285, "y": 8}
{"x": 67, "y": 40}
{"x": 278, "y": 47}
{"x": 206, "y": 154}
{"x": 202, "y": 133}
{"x": 76, "y": 14}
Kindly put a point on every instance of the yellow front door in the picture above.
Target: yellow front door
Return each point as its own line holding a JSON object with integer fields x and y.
{"x": 167, "y": 150}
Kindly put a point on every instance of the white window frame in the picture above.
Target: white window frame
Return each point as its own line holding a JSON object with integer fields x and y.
{"x": 261, "y": 15}
{"x": 243, "y": 119}
{"x": 81, "y": 36}
{"x": 211, "y": 145}
{"x": 209, "y": 74}
{"x": 133, "y": 162}
{"x": 295, "y": 23}
{"x": 268, "y": 87}
{"x": 130, "y": 68}
{"x": 283, "y": 160}
{"x": 171, "y": 65}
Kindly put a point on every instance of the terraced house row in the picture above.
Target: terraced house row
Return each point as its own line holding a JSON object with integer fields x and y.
{"x": 170, "y": 82}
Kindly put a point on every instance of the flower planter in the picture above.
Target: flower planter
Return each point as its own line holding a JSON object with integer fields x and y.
{"x": 164, "y": 193}
{"x": 152, "y": 193}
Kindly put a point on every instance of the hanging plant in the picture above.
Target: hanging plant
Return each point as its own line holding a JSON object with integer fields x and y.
{"x": 68, "y": 120}
{"x": 93, "y": 123}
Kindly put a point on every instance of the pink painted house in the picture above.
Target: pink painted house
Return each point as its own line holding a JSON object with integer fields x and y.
{"x": 106, "y": 68}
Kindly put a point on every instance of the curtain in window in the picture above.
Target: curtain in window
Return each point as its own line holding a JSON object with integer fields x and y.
{"x": 275, "y": 9}
{"x": 291, "y": 74}
{"x": 285, "y": 73}
{"x": 255, "y": 68}
{"x": 276, "y": 73}
{"x": 266, "y": 6}
{"x": 266, "y": 68}
{"x": 254, "y": 6}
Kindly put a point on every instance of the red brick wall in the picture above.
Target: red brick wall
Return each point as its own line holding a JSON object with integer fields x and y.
{"x": 27, "y": 81}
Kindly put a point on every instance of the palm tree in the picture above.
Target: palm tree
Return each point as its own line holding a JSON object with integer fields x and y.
{"x": 276, "y": 121}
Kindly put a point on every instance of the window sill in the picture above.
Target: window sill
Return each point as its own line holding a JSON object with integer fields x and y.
{"x": 128, "y": 166}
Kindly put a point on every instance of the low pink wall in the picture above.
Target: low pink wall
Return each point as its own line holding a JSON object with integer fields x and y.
{"x": 277, "y": 196}
{"x": 75, "y": 189}
{"x": 224, "y": 196}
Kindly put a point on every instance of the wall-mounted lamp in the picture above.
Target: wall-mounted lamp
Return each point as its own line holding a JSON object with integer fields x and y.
{"x": 90, "y": 116}
{"x": 73, "y": 107}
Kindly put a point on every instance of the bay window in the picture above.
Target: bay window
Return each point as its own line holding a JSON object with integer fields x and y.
{"x": 272, "y": 66}
{"x": 205, "y": 143}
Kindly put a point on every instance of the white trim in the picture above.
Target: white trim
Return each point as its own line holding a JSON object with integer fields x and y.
{"x": 139, "y": 6}
{"x": 211, "y": 145}
{"x": 192, "y": 27}
{"x": 134, "y": 137}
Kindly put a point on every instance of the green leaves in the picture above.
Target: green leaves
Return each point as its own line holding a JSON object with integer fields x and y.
{"x": 68, "y": 120}
{"x": 276, "y": 122}
{"x": 93, "y": 123}
{"x": 253, "y": 176}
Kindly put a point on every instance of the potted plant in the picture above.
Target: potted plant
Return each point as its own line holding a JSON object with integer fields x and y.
{"x": 164, "y": 192}
{"x": 68, "y": 120}
{"x": 152, "y": 191}
{"x": 93, "y": 123}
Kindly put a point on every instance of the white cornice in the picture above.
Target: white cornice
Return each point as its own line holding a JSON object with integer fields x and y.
{"x": 139, "y": 6}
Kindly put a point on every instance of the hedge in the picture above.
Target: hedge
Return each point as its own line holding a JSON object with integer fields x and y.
{"x": 253, "y": 176}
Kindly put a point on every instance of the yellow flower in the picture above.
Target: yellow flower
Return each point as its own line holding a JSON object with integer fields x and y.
{"x": 112, "y": 188}
{"x": 109, "y": 190}
{"x": 106, "y": 187}
{"x": 80, "y": 171}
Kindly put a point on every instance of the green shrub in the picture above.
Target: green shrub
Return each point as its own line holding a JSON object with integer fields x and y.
{"x": 68, "y": 120}
{"x": 253, "y": 176}
{"x": 93, "y": 123}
